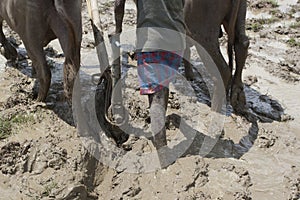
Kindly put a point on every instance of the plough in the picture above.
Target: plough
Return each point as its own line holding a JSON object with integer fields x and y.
{"x": 111, "y": 113}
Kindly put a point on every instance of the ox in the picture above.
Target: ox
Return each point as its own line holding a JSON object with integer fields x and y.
{"x": 38, "y": 22}
{"x": 203, "y": 20}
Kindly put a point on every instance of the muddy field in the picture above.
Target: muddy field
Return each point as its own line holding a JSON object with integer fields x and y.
{"x": 42, "y": 156}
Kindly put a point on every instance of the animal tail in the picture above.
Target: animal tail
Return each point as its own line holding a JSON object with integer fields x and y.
{"x": 231, "y": 30}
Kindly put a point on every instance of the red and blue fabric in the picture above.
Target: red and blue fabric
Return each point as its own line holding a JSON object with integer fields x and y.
{"x": 157, "y": 69}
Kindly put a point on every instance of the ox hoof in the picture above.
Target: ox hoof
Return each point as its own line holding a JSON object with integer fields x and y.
{"x": 42, "y": 94}
{"x": 238, "y": 98}
{"x": 33, "y": 73}
{"x": 40, "y": 99}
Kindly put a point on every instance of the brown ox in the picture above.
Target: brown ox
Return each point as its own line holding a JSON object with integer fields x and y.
{"x": 204, "y": 19}
{"x": 38, "y": 22}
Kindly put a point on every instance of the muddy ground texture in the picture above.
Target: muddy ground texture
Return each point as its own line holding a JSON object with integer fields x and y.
{"x": 256, "y": 157}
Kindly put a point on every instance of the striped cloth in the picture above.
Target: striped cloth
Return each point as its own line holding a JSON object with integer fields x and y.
{"x": 157, "y": 69}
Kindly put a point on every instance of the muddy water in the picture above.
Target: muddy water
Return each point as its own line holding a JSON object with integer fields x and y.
{"x": 269, "y": 168}
{"x": 283, "y": 159}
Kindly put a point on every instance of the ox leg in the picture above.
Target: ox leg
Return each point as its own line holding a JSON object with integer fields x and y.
{"x": 43, "y": 72}
{"x": 34, "y": 37}
{"x": 8, "y": 51}
{"x": 119, "y": 14}
{"x": 71, "y": 47}
{"x": 238, "y": 99}
{"x": 70, "y": 73}
{"x": 158, "y": 105}
{"x": 211, "y": 56}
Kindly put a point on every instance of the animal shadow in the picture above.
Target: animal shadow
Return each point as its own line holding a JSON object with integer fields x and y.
{"x": 259, "y": 108}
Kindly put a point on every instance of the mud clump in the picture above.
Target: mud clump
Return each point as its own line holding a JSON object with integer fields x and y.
{"x": 293, "y": 183}
{"x": 259, "y": 4}
{"x": 13, "y": 156}
{"x": 266, "y": 138}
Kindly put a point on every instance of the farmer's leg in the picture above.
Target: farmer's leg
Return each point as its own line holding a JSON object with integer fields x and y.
{"x": 156, "y": 70}
{"x": 158, "y": 106}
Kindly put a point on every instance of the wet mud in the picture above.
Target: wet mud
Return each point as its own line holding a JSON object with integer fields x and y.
{"x": 255, "y": 155}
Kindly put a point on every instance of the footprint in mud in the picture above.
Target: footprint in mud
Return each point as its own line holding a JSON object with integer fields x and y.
{"x": 28, "y": 157}
{"x": 13, "y": 157}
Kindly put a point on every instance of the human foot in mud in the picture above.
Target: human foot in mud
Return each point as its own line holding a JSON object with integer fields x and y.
{"x": 158, "y": 106}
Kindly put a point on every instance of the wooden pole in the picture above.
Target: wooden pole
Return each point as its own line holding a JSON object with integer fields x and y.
{"x": 93, "y": 11}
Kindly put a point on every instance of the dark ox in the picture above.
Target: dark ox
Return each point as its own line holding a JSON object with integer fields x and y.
{"x": 203, "y": 20}
{"x": 38, "y": 22}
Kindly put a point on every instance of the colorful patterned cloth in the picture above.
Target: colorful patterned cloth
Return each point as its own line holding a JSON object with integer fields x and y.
{"x": 157, "y": 69}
